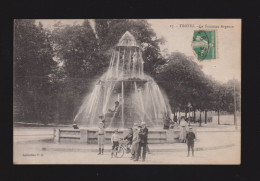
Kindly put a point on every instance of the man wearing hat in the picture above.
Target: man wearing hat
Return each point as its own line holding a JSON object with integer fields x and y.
{"x": 143, "y": 142}
{"x": 116, "y": 112}
{"x": 116, "y": 107}
{"x": 101, "y": 138}
{"x": 190, "y": 141}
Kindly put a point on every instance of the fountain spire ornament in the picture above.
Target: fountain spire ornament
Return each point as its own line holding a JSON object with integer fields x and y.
{"x": 124, "y": 94}
{"x": 127, "y": 40}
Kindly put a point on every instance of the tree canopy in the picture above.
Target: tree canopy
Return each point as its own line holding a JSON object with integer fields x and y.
{"x": 33, "y": 66}
{"x": 185, "y": 83}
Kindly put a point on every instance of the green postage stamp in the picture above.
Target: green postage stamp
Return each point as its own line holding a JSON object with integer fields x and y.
{"x": 204, "y": 44}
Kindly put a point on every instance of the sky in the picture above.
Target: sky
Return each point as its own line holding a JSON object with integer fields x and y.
{"x": 179, "y": 33}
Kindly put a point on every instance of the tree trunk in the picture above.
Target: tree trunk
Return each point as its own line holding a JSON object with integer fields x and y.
{"x": 185, "y": 114}
{"x": 218, "y": 117}
{"x": 194, "y": 116}
{"x": 206, "y": 117}
{"x": 200, "y": 119}
{"x": 57, "y": 111}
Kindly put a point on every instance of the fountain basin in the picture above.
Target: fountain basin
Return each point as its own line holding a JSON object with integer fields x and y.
{"x": 89, "y": 135}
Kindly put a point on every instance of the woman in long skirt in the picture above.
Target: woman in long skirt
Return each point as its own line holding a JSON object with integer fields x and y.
{"x": 183, "y": 130}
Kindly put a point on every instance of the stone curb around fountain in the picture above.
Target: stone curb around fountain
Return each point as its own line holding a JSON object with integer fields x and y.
{"x": 152, "y": 149}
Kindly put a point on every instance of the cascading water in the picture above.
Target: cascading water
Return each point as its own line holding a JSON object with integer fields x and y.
{"x": 125, "y": 94}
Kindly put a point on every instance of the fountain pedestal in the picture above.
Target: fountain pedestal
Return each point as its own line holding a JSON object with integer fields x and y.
{"x": 83, "y": 135}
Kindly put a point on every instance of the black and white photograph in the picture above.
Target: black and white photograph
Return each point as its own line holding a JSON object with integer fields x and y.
{"x": 127, "y": 91}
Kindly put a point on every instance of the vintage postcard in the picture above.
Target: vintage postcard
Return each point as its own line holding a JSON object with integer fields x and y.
{"x": 127, "y": 91}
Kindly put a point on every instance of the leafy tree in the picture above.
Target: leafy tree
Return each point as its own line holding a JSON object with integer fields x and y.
{"x": 109, "y": 31}
{"x": 222, "y": 98}
{"x": 188, "y": 84}
{"x": 33, "y": 64}
{"x": 76, "y": 47}
{"x": 234, "y": 92}
{"x": 186, "y": 80}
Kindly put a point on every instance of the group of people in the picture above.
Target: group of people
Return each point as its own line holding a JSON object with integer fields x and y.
{"x": 136, "y": 140}
{"x": 175, "y": 123}
{"x": 186, "y": 132}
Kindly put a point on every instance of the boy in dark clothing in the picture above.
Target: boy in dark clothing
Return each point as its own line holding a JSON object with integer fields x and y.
{"x": 190, "y": 141}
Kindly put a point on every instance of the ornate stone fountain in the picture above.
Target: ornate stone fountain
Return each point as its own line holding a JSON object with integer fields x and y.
{"x": 124, "y": 94}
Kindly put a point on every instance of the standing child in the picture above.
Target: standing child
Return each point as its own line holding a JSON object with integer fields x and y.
{"x": 101, "y": 138}
{"x": 115, "y": 141}
{"x": 190, "y": 141}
